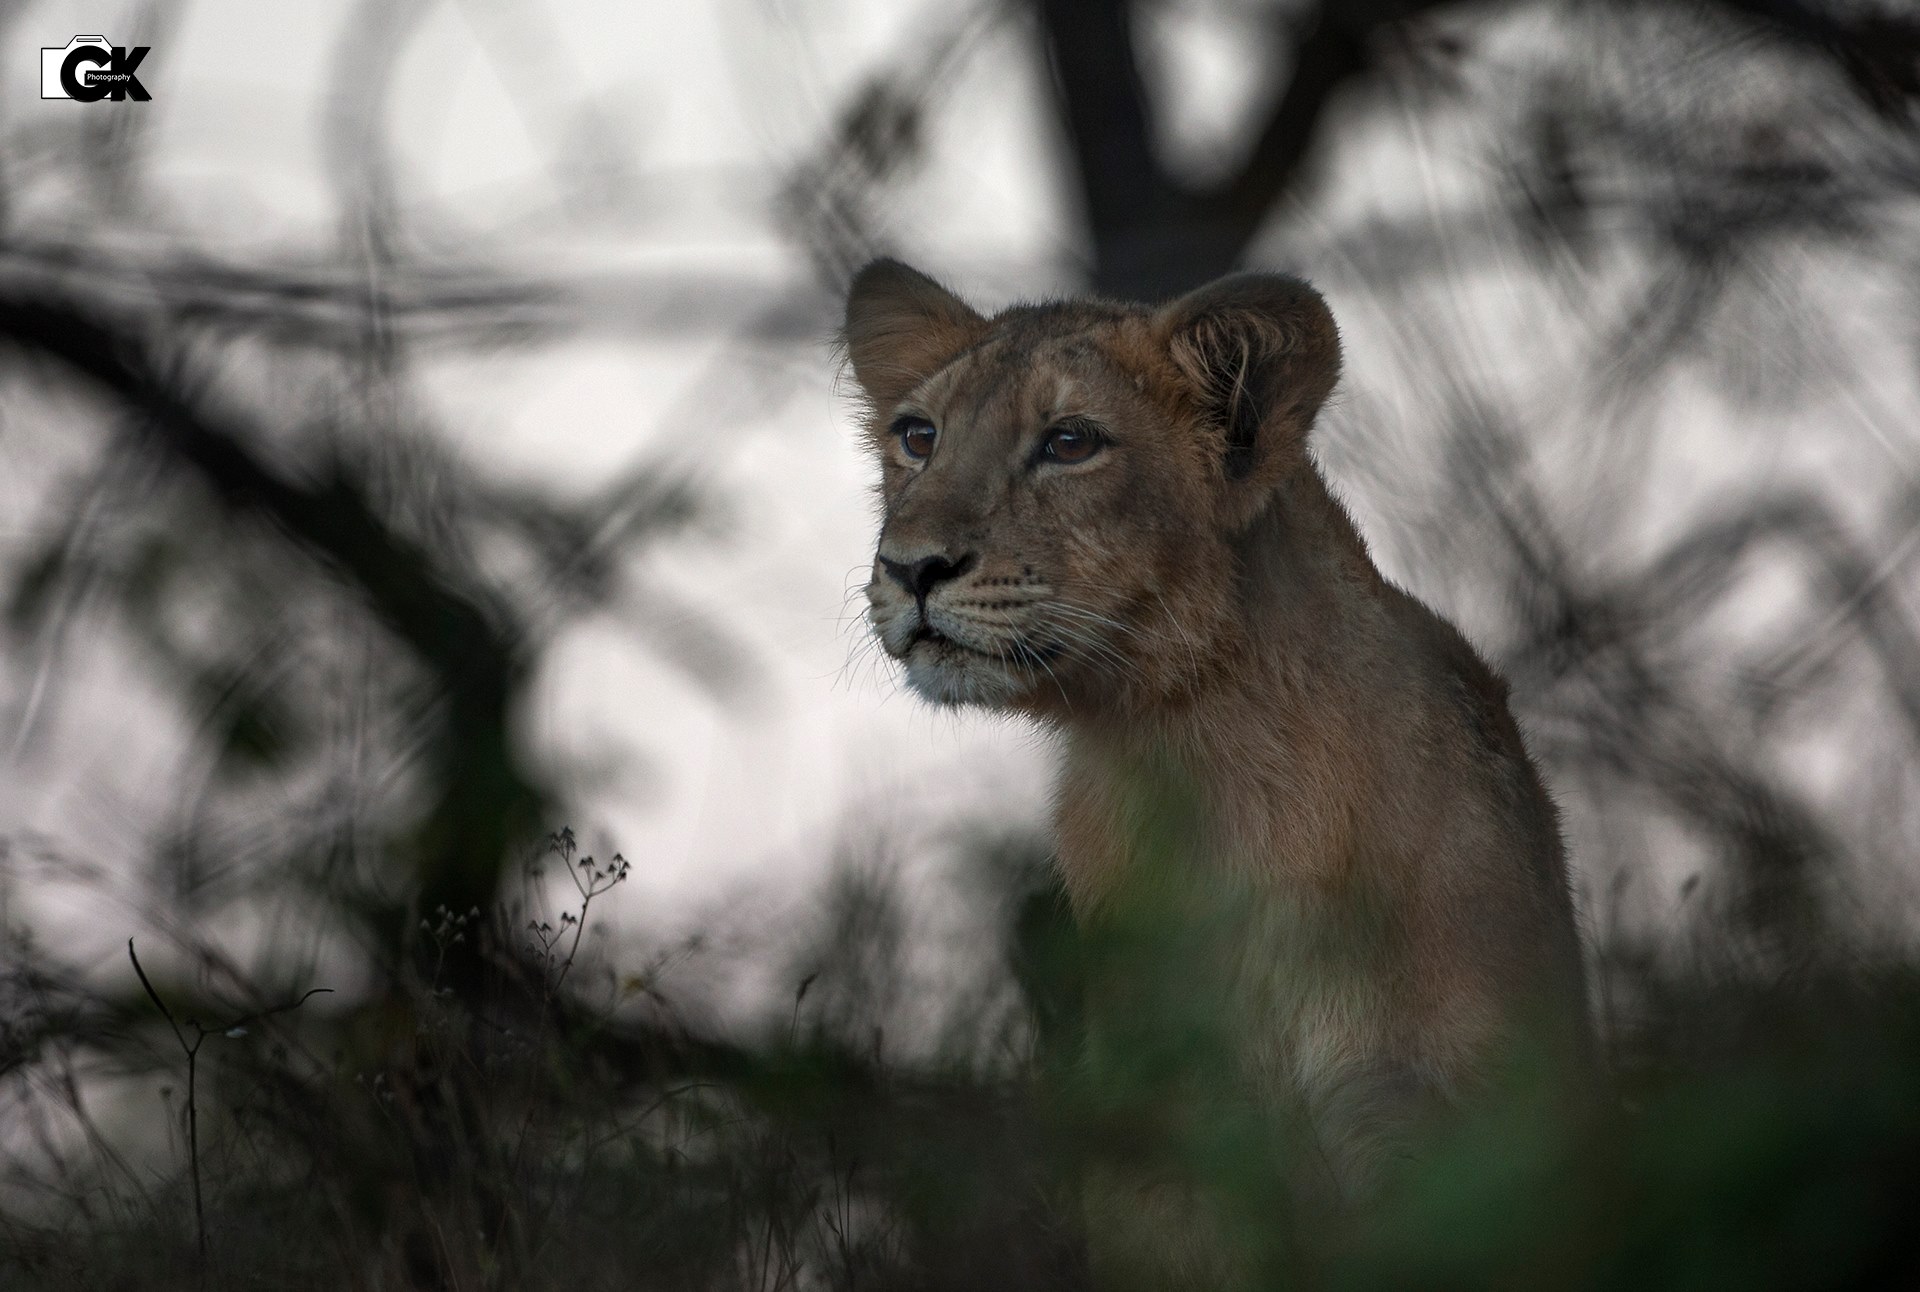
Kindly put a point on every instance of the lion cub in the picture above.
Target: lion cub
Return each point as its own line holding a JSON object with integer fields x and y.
{"x": 1105, "y": 516}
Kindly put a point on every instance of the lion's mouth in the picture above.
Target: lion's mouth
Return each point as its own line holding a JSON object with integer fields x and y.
{"x": 1014, "y": 652}
{"x": 933, "y": 636}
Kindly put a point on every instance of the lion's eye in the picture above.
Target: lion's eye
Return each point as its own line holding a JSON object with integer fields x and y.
{"x": 1072, "y": 442}
{"x": 916, "y": 436}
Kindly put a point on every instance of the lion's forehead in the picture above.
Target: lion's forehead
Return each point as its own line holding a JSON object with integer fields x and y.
{"x": 1019, "y": 377}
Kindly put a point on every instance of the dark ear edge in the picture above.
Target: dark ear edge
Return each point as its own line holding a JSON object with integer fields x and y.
{"x": 1262, "y": 353}
{"x": 901, "y": 326}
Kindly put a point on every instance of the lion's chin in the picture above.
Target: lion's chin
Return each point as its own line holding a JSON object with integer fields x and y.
{"x": 944, "y": 673}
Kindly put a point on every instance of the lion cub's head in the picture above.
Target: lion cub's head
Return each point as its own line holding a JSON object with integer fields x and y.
{"x": 1063, "y": 483}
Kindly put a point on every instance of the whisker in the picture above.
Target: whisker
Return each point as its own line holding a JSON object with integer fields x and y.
{"x": 1173, "y": 621}
{"x": 1041, "y": 659}
{"x": 1093, "y": 649}
{"x": 1093, "y": 616}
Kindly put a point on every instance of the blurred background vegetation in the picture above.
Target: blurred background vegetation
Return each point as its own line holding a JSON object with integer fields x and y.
{"x": 309, "y": 521}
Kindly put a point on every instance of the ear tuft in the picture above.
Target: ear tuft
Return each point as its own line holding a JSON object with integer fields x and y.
{"x": 901, "y": 328}
{"x": 1262, "y": 354}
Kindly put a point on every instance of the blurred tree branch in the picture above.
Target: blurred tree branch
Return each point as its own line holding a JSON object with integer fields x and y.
{"x": 461, "y": 303}
{"x": 1878, "y": 52}
{"x": 1153, "y": 235}
{"x": 485, "y": 799}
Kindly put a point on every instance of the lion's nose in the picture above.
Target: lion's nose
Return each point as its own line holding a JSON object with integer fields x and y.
{"x": 922, "y": 576}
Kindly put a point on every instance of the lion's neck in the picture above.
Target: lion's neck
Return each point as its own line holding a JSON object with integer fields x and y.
{"x": 1302, "y": 630}
{"x": 1306, "y": 576}
{"x": 1274, "y": 746}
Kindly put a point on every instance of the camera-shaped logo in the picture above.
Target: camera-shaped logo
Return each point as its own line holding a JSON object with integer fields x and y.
{"x": 89, "y": 69}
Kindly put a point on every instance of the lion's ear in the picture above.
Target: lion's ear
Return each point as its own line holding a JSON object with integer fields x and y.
{"x": 1261, "y": 354}
{"x": 901, "y": 327}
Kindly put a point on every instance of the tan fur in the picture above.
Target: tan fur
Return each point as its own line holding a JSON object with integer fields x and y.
{"x": 1191, "y": 606}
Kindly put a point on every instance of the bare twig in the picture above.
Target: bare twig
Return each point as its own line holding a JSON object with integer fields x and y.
{"x": 192, "y": 1050}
